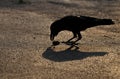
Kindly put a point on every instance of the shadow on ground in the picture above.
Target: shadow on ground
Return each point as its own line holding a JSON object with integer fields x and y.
{"x": 69, "y": 54}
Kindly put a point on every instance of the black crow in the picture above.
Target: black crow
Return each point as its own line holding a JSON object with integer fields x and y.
{"x": 75, "y": 24}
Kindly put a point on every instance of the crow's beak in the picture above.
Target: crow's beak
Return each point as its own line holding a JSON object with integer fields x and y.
{"x": 113, "y": 22}
{"x": 51, "y": 37}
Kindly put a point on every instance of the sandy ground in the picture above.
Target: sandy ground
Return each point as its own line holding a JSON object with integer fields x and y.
{"x": 25, "y": 47}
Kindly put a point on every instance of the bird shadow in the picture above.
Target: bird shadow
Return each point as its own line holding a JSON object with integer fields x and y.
{"x": 69, "y": 54}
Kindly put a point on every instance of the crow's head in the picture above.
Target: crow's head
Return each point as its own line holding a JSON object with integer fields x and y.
{"x": 54, "y": 30}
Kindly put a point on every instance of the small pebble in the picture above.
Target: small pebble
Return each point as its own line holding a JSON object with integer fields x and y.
{"x": 55, "y": 42}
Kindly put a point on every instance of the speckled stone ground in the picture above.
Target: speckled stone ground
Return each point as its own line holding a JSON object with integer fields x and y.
{"x": 25, "y": 47}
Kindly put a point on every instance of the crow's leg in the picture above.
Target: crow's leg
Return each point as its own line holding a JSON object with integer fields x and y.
{"x": 74, "y": 36}
{"x": 79, "y": 36}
